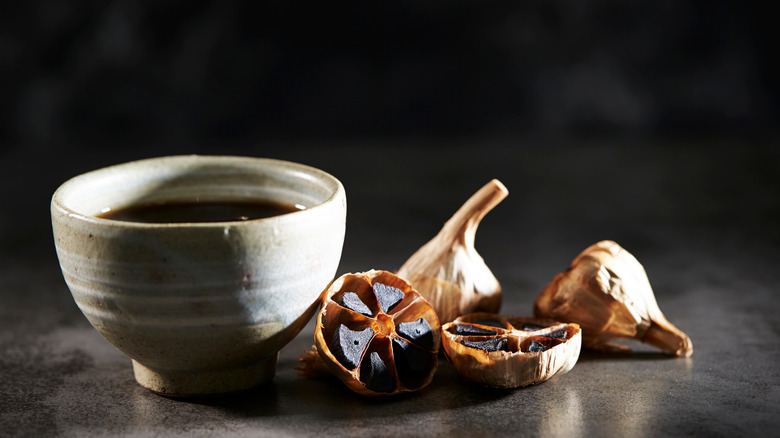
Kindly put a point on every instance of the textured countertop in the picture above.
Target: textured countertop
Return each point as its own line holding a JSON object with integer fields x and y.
{"x": 702, "y": 218}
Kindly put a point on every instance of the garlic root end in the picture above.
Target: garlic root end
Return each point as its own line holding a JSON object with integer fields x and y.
{"x": 668, "y": 338}
{"x": 311, "y": 364}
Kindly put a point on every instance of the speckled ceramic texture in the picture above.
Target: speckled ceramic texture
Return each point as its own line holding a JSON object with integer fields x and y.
{"x": 201, "y": 308}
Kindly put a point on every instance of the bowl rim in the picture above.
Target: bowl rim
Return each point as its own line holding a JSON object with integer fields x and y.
{"x": 310, "y": 172}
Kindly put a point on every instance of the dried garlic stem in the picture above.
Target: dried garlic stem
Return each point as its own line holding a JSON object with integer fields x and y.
{"x": 448, "y": 271}
{"x": 463, "y": 224}
{"x": 311, "y": 364}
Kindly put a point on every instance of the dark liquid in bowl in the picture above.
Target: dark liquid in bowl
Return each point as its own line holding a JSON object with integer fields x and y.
{"x": 210, "y": 211}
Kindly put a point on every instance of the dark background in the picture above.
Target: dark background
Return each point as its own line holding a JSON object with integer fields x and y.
{"x": 202, "y": 72}
{"x": 85, "y": 84}
{"x": 653, "y": 118}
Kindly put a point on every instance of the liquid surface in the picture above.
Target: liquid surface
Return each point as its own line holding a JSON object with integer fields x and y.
{"x": 212, "y": 211}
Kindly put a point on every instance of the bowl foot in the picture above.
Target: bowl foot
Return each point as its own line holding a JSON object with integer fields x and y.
{"x": 178, "y": 383}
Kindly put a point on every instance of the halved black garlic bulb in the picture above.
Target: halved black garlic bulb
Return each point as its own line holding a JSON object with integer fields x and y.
{"x": 508, "y": 352}
{"x": 376, "y": 334}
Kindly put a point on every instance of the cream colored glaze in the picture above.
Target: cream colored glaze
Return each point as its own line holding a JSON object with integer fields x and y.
{"x": 201, "y": 308}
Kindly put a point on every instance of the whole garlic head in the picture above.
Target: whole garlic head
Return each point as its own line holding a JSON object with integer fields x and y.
{"x": 448, "y": 271}
{"x": 606, "y": 291}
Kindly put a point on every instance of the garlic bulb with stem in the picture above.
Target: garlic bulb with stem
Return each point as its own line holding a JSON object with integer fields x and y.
{"x": 606, "y": 291}
{"x": 448, "y": 271}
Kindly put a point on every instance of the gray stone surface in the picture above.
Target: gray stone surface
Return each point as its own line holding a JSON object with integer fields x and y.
{"x": 702, "y": 218}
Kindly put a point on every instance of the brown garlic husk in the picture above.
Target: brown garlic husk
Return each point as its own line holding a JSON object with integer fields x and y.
{"x": 376, "y": 334}
{"x": 606, "y": 291}
{"x": 448, "y": 271}
{"x": 510, "y": 352}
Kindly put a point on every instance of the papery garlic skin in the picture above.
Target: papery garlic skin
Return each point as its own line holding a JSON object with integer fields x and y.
{"x": 606, "y": 291}
{"x": 474, "y": 291}
{"x": 385, "y": 324}
{"x": 448, "y": 271}
{"x": 514, "y": 366}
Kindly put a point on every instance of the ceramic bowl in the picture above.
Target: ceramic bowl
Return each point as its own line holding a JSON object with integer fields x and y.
{"x": 200, "y": 308}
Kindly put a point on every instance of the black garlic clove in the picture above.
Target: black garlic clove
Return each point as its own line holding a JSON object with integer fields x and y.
{"x": 388, "y": 296}
{"x": 349, "y": 345}
{"x": 412, "y": 363}
{"x": 470, "y": 330}
{"x": 375, "y": 375}
{"x": 497, "y": 344}
{"x": 351, "y": 301}
{"x": 558, "y": 334}
{"x": 536, "y": 346}
{"x": 417, "y": 332}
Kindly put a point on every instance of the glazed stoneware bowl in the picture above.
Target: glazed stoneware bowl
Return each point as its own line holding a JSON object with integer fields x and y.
{"x": 200, "y": 308}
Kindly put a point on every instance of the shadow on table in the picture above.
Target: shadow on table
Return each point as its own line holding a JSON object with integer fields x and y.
{"x": 328, "y": 398}
{"x": 593, "y": 355}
